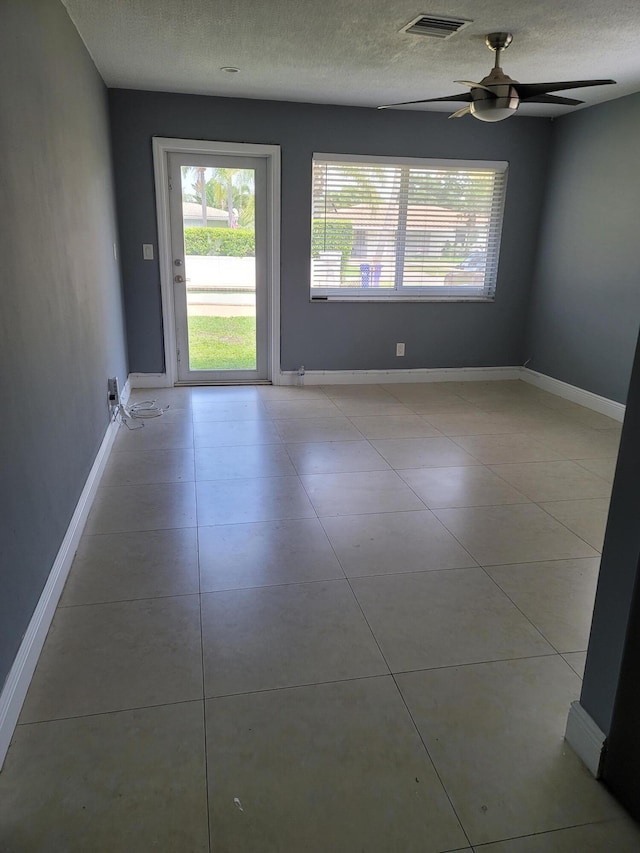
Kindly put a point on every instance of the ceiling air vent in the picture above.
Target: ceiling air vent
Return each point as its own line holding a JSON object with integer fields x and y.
{"x": 435, "y": 27}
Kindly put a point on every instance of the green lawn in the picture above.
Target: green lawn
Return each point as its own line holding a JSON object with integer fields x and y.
{"x": 222, "y": 343}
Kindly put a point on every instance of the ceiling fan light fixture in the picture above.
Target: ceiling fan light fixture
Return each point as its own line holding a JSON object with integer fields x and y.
{"x": 488, "y": 108}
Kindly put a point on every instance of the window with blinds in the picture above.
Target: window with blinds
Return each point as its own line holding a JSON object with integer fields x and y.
{"x": 405, "y": 228}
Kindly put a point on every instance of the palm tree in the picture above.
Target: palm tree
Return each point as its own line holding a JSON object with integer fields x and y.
{"x": 225, "y": 189}
{"x": 199, "y": 187}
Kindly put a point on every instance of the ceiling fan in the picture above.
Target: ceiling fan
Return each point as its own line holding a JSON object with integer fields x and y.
{"x": 497, "y": 96}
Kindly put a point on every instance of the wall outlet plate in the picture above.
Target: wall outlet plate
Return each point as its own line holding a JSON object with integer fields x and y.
{"x": 399, "y": 349}
{"x": 147, "y": 251}
{"x": 113, "y": 391}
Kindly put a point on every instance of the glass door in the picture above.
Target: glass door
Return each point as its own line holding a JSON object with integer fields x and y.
{"x": 218, "y": 240}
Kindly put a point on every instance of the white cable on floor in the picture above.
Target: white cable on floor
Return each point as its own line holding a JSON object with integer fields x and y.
{"x": 145, "y": 409}
{"x": 139, "y": 411}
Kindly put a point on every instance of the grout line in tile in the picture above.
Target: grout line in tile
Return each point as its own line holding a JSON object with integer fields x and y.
{"x": 297, "y": 686}
{"x": 577, "y": 535}
{"x": 112, "y": 711}
{"x": 435, "y": 769}
{"x": 552, "y": 654}
{"x": 126, "y": 600}
{"x": 204, "y": 707}
{"x": 480, "y": 847}
{"x": 534, "y": 626}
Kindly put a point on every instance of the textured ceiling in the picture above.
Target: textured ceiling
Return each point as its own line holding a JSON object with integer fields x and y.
{"x": 351, "y": 51}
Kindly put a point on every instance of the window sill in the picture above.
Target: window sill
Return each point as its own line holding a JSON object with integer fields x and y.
{"x": 391, "y": 299}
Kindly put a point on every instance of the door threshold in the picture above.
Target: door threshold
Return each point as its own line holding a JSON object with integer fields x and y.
{"x": 211, "y": 383}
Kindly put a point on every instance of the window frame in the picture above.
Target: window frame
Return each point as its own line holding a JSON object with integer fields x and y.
{"x": 416, "y": 293}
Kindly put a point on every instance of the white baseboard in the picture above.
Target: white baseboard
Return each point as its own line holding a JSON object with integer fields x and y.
{"x": 585, "y": 738}
{"x": 577, "y": 395}
{"x": 19, "y": 678}
{"x": 418, "y": 374}
{"x": 149, "y": 380}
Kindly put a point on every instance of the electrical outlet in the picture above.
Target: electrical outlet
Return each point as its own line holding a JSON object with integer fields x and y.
{"x": 147, "y": 251}
{"x": 113, "y": 392}
{"x": 399, "y": 349}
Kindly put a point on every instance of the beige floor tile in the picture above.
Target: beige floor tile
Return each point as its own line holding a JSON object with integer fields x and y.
{"x": 443, "y": 406}
{"x": 204, "y": 395}
{"x": 576, "y": 661}
{"x": 124, "y": 566}
{"x": 553, "y": 481}
{"x": 394, "y": 426}
{"x": 580, "y": 415}
{"x": 156, "y": 434}
{"x": 294, "y": 393}
{"x": 410, "y": 391}
{"x": 110, "y": 783}
{"x": 435, "y": 452}
{"x": 316, "y": 407}
{"x": 334, "y": 767}
{"x": 509, "y": 389}
{"x": 360, "y": 391}
{"x": 144, "y": 467}
{"x": 281, "y": 636}
{"x": 587, "y": 518}
{"x": 495, "y": 733}
{"x": 229, "y": 410}
{"x": 520, "y": 406}
{"x": 471, "y": 485}
{"x": 357, "y": 406}
{"x": 235, "y": 433}
{"x": 166, "y": 398}
{"x": 605, "y": 468}
{"x": 577, "y": 442}
{"x": 394, "y": 542}
{"x": 159, "y": 506}
{"x": 317, "y": 429}
{"x": 259, "y": 499}
{"x": 493, "y": 449}
{"x": 332, "y": 457}
{"x": 480, "y": 423}
{"x": 556, "y": 596}
{"x": 237, "y": 556}
{"x": 361, "y": 492}
{"x": 244, "y": 462}
{"x": 112, "y": 657}
{"x": 435, "y": 619}
{"x": 621, "y": 836}
{"x": 518, "y": 533}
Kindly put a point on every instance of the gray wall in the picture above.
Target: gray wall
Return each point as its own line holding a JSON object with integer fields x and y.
{"x": 586, "y": 296}
{"x": 334, "y": 336}
{"x": 61, "y": 325}
{"x": 618, "y": 573}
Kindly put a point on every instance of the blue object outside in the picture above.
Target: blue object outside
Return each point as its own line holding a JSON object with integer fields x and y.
{"x": 370, "y": 274}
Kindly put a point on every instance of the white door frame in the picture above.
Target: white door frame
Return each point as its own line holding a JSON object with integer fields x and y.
{"x": 162, "y": 146}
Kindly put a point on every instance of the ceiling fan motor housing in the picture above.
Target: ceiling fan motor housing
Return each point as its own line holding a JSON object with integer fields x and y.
{"x": 501, "y": 104}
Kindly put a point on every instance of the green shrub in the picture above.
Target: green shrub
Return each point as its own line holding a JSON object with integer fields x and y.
{"x": 228, "y": 242}
{"x": 332, "y": 235}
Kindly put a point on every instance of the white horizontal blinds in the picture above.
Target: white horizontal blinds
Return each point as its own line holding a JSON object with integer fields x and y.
{"x": 452, "y": 228}
{"x": 396, "y": 229}
{"x": 355, "y": 222}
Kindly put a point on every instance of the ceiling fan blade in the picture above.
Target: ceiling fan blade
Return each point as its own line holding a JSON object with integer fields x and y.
{"x": 465, "y": 96}
{"x": 551, "y": 99}
{"x": 459, "y": 113}
{"x": 476, "y": 86}
{"x": 528, "y": 90}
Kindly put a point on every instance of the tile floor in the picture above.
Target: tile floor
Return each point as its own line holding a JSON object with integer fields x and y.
{"x": 348, "y": 618}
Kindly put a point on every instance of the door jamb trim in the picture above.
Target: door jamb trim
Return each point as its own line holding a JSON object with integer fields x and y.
{"x": 162, "y": 146}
